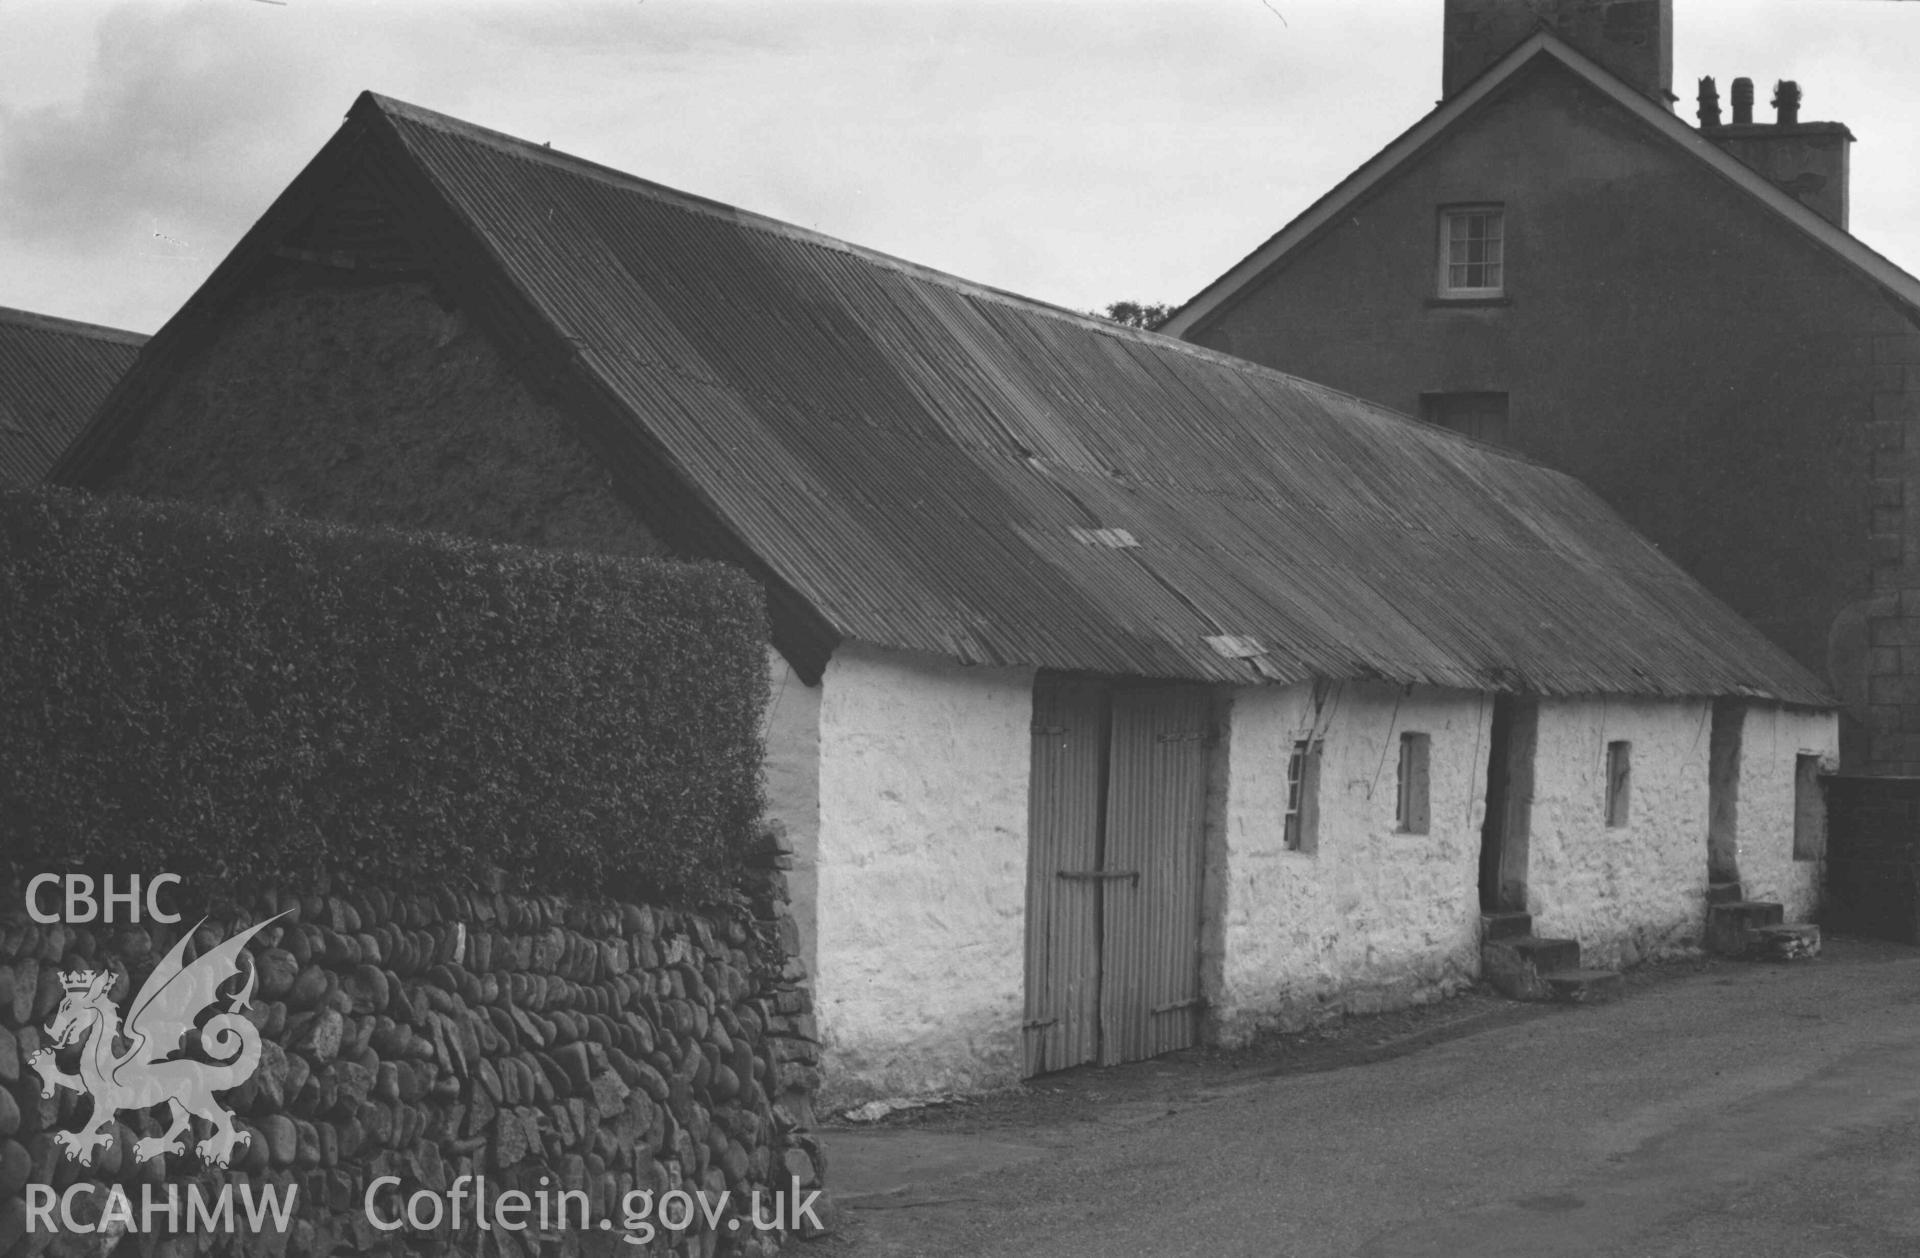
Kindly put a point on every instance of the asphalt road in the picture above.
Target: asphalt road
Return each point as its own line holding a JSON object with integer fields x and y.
{"x": 1765, "y": 1112}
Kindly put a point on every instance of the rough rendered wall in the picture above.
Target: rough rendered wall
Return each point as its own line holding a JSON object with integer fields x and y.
{"x": 792, "y": 732}
{"x": 1373, "y": 918}
{"x": 1638, "y": 890}
{"x": 922, "y": 869}
{"x": 373, "y": 405}
{"x": 1773, "y": 740}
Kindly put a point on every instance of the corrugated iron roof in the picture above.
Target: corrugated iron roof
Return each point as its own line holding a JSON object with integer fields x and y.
{"x": 918, "y": 462}
{"x": 53, "y": 375}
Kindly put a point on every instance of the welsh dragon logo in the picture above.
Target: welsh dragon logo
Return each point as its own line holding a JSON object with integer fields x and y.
{"x": 145, "y": 1073}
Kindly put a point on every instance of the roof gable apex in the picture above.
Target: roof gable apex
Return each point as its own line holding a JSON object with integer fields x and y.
{"x": 1455, "y": 111}
{"x": 461, "y": 263}
{"x": 186, "y": 330}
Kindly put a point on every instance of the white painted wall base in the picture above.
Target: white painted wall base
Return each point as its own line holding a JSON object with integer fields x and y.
{"x": 1374, "y": 918}
{"x": 1772, "y": 739}
{"x": 1636, "y": 891}
{"x": 904, "y": 780}
{"x": 791, "y": 730}
{"x": 921, "y": 869}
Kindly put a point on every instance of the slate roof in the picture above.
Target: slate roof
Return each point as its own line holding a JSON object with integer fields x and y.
{"x": 913, "y": 461}
{"x": 53, "y": 374}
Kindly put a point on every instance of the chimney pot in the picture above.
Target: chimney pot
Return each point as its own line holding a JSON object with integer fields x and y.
{"x": 1742, "y": 102}
{"x": 1806, "y": 160}
{"x": 1786, "y": 102}
{"x": 1709, "y": 103}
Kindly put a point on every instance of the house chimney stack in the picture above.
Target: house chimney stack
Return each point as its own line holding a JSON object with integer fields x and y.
{"x": 1742, "y": 102}
{"x": 1786, "y": 103}
{"x": 1709, "y": 103}
{"x": 1807, "y": 159}
{"x": 1631, "y": 38}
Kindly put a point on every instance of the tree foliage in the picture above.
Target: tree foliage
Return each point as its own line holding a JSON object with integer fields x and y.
{"x": 1135, "y": 314}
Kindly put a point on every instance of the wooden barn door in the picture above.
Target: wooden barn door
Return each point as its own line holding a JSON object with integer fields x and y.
{"x": 1066, "y": 808}
{"x": 1150, "y": 928}
{"x": 1117, "y": 811}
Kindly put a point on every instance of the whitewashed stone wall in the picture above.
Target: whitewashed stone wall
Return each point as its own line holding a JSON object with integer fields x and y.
{"x": 1771, "y": 741}
{"x": 1373, "y": 918}
{"x": 921, "y": 869}
{"x": 791, "y": 730}
{"x": 1638, "y": 890}
{"x": 903, "y": 781}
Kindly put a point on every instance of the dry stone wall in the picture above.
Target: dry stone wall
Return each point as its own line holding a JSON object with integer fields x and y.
{"x": 426, "y": 1035}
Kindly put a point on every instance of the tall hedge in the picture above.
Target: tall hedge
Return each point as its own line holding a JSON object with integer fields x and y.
{"x": 253, "y": 702}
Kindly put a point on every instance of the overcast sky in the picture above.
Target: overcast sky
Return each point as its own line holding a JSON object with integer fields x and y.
{"x": 1077, "y": 152}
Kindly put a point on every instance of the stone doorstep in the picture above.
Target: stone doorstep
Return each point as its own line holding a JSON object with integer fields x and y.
{"x": 1507, "y": 924}
{"x": 1516, "y": 967}
{"x": 1547, "y": 955}
{"x": 1583, "y": 987}
{"x": 1730, "y": 926}
{"x": 1789, "y": 941}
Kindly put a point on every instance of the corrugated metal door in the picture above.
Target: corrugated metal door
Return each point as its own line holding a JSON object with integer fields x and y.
{"x": 1066, "y": 802}
{"x": 1150, "y": 923}
{"x": 1116, "y": 814}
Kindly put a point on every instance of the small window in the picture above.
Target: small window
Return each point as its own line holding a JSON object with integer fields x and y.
{"x": 1619, "y": 782}
{"x": 1482, "y": 416}
{"x": 1412, "y": 810}
{"x": 1809, "y": 810}
{"x": 1303, "y": 792}
{"x": 1473, "y": 251}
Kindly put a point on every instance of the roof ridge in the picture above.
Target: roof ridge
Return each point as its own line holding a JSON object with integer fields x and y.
{"x": 74, "y": 327}
{"x": 523, "y": 148}
{"x": 519, "y": 147}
